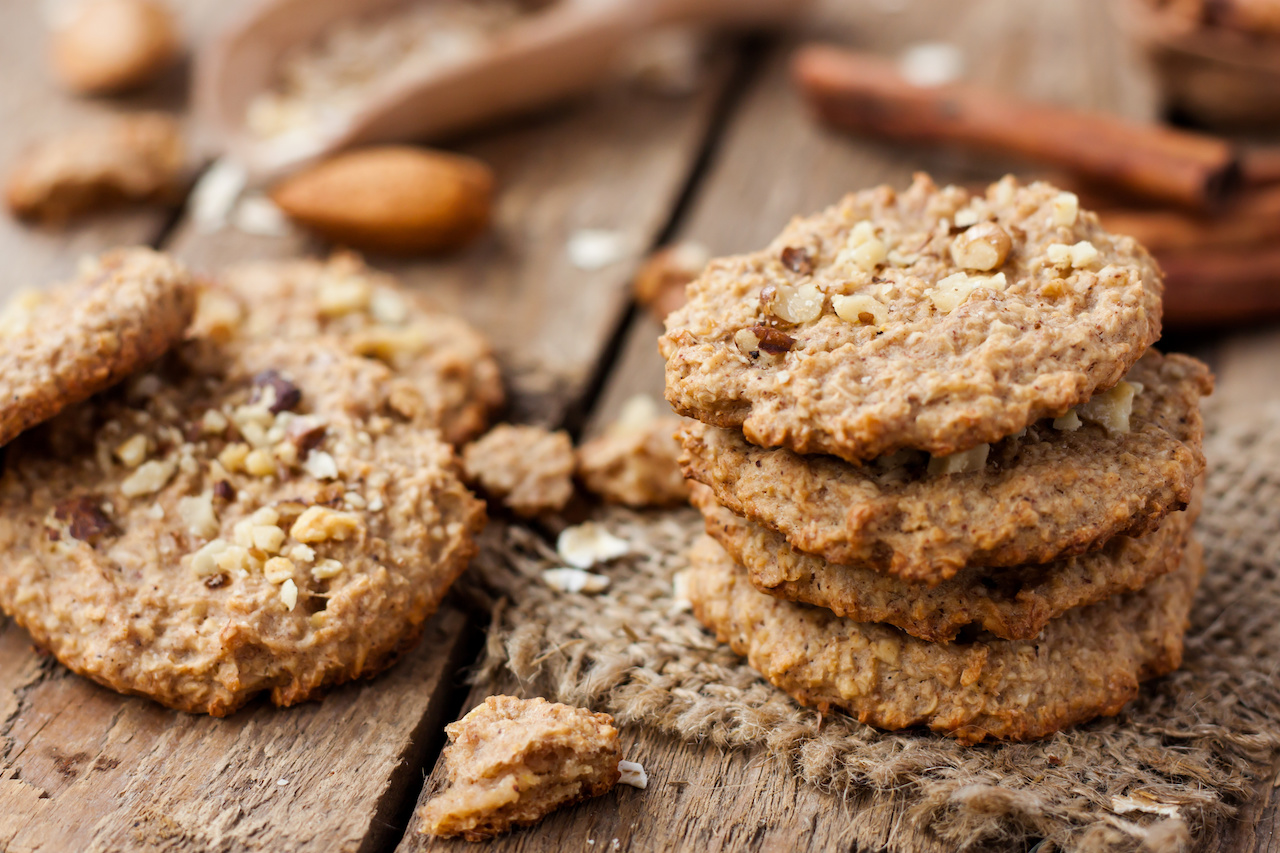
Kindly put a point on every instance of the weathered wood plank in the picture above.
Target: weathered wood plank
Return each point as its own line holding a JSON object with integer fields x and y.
{"x": 86, "y": 769}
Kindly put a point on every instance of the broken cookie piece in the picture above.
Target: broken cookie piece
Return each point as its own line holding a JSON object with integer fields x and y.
{"x": 636, "y": 460}
{"x": 526, "y": 468}
{"x": 135, "y": 158}
{"x": 510, "y": 762}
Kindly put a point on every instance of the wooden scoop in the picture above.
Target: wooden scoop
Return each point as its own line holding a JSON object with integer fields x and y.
{"x": 558, "y": 50}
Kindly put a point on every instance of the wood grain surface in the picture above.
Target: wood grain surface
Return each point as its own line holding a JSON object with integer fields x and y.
{"x": 84, "y": 769}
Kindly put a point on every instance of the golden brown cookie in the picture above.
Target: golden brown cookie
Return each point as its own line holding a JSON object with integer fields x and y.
{"x": 60, "y": 346}
{"x": 1048, "y": 493}
{"x": 373, "y": 315}
{"x": 1013, "y": 603}
{"x": 932, "y": 319}
{"x": 635, "y": 461}
{"x": 511, "y": 762}
{"x": 1087, "y": 663}
{"x": 237, "y": 520}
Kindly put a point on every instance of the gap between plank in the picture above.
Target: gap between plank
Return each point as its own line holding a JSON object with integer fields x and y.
{"x": 750, "y": 53}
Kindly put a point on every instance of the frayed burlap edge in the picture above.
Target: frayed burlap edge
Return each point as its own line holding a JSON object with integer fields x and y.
{"x": 1168, "y": 773}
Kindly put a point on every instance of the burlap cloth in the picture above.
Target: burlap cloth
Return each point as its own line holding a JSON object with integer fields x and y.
{"x": 1169, "y": 773}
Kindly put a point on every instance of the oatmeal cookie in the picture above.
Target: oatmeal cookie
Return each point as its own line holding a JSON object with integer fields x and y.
{"x": 1058, "y": 489}
{"x": 527, "y": 468}
{"x": 60, "y": 346}
{"x": 1013, "y": 603}
{"x": 237, "y": 520}
{"x": 931, "y": 319}
{"x": 511, "y": 762}
{"x": 372, "y": 315}
{"x": 1085, "y": 664}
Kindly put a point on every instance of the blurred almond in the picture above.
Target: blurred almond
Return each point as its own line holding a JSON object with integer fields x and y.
{"x": 392, "y": 199}
{"x": 106, "y": 46}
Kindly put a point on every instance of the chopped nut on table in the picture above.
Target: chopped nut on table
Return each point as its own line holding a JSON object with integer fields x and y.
{"x": 135, "y": 158}
{"x": 529, "y": 469}
{"x": 510, "y": 762}
{"x": 636, "y": 460}
{"x": 107, "y": 46}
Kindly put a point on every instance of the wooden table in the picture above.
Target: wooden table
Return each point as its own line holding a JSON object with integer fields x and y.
{"x": 84, "y": 769}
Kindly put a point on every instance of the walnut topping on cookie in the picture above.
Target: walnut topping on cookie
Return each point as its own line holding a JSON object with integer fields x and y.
{"x": 223, "y": 565}
{"x": 932, "y": 319}
{"x": 446, "y": 375}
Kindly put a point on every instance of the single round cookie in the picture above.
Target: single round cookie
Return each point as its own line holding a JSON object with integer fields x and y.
{"x": 1014, "y": 603}
{"x": 1045, "y": 494}
{"x": 61, "y": 346}
{"x": 931, "y": 319}
{"x": 1085, "y": 664}
{"x": 240, "y": 520}
{"x": 372, "y": 315}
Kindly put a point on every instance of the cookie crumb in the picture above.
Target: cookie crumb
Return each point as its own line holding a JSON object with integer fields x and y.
{"x": 528, "y": 468}
{"x": 510, "y": 762}
{"x": 636, "y": 460}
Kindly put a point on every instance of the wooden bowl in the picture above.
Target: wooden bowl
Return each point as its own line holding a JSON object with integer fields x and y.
{"x": 1212, "y": 75}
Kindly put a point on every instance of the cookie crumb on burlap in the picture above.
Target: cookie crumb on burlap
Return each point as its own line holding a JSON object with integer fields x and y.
{"x": 1169, "y": 772}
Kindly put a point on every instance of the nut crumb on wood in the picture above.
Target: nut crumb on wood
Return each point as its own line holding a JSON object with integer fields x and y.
{"x": 510, "y": 762}
{"x": 586, "y": 544}
{"x": 135, "y": 158}
{"x": 529, "y": 469}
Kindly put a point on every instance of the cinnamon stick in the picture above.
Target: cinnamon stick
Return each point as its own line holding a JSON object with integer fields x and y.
{"x": 1260, "y": 166}
{"x": 863, "y": 93}
{"x": 1220, "y": 287}
{"x": 1251, "y": 221}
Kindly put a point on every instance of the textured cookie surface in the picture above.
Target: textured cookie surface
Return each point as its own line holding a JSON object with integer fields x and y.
{"x": 1087, "y": 663}
{"x": 931, "y": 319}
{"x": 510, "y": 762}
{"x": 528, "y": 468}
{"x": 373, "y": 316}
{"x": 61, "y": 346}
{"x": 1014, "y": 603}
{"x": 235, "y": 521}
{"x": 1049, "y": 493}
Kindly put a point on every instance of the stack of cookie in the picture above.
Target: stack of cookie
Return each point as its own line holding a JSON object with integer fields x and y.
{"x": 246, "y": 488}
{"x": 946, "y": 480}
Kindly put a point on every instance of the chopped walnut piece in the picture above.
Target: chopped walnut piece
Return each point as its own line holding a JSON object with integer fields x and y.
{"x": 278, "y": 569}
{"x": 260, "y": 463}
{"x": 527, "y": 468}
{"x": 289, "y": 594}
{"x": 966, "y": 461}
{"x": 287, "y": 396}
{"x": 320, "y": 523}
{"x": 860, "y": 308}
{"x": 510, "y": 762}
{"x": 148, "y": 478}
{"x": 796, "y": 304}
{"x": 133, "y": 452}
{"x": 198, "y": 514}
{"x": 84, "y": 518}
{"x": 797, "y": 260}
{"x": 983, "y": 247}
{"x": 1066, "y": 209}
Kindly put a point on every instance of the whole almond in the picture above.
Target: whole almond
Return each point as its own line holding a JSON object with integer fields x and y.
{"x": 107, "y": 46}
{"x": 392, "y": 199}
